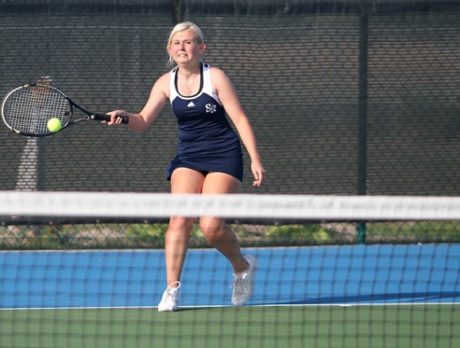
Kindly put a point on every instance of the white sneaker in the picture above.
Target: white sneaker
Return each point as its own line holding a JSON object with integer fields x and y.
{"x": 243, "y": 282}
{"x": 170, "y": 299}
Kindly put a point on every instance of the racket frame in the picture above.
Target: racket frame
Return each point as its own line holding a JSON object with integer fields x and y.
{"x": 71, "y": 120}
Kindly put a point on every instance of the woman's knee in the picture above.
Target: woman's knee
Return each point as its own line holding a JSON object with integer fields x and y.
{"x": 211, "y": 227}
{"x": 180, "y": 225}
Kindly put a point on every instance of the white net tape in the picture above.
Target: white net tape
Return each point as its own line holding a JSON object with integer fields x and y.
{"x": 301, "y": 207}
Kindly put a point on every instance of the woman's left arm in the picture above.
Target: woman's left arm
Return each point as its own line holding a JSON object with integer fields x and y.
{"x": 231, "y": 103}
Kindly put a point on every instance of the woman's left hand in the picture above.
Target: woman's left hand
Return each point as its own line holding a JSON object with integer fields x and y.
{"x": 258, "y": 172}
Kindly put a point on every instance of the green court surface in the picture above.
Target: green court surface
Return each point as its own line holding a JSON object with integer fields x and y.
{"x": 253, "y": 326}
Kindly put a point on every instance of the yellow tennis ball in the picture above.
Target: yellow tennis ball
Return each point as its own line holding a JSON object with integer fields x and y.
{"x": 54, "y": 124}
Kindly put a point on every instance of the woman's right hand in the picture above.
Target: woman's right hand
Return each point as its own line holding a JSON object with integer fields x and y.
{"x": 116, "y": 117}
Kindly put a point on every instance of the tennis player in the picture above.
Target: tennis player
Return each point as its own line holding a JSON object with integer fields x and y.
{"x": 209, "y": 158}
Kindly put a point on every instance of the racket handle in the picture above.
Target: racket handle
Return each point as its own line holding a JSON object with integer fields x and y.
{"x": 104, "y": 117}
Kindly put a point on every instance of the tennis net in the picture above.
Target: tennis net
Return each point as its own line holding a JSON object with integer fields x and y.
{"x": 87, "y": 269}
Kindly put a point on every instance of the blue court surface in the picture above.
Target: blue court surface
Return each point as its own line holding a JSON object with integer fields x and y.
{"x": 329, "y": 275}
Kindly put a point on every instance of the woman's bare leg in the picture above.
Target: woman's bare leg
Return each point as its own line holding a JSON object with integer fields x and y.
{"x": 183, "y": 180}
{"x": 214, "y": 229}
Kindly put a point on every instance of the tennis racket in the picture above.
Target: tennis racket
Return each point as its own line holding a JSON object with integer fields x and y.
{"x": 27, "y": 109}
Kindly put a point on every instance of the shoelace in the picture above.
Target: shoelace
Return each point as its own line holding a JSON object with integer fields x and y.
{"x": 172, "y": 291}
{"x": 237, "y": 280}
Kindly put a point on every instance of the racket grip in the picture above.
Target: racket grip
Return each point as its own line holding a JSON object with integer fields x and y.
{"x": 104, "y": 117}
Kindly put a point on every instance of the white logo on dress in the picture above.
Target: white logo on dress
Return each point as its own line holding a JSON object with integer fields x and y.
{"x": 191, "y": 105}
{"x": 210, "y": 108}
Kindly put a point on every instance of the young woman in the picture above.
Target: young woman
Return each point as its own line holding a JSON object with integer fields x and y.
{"x": 209, "y": 158}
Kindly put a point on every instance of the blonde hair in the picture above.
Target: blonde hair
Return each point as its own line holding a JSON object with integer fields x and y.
{"x": 182, "y": 27}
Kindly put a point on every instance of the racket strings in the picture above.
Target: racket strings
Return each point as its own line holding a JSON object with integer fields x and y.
{"x": 28, "y": 110}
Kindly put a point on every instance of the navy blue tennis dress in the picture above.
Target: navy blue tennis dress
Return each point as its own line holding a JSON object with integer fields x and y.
{"x": 207, "y": 141}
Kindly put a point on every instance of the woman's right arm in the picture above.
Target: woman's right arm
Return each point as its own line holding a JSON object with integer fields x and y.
{"x": 157, "y": 100}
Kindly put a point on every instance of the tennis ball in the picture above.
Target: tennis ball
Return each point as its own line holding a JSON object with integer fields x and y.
{"x": 54, "y": 124}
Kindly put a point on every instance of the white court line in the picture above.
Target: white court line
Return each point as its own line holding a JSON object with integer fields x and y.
{"x": 247, "y": 306}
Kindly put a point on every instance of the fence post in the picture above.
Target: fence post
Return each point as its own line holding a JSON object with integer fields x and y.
{"x": 177, "y": 10}
{"x": 362, "y": 112}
